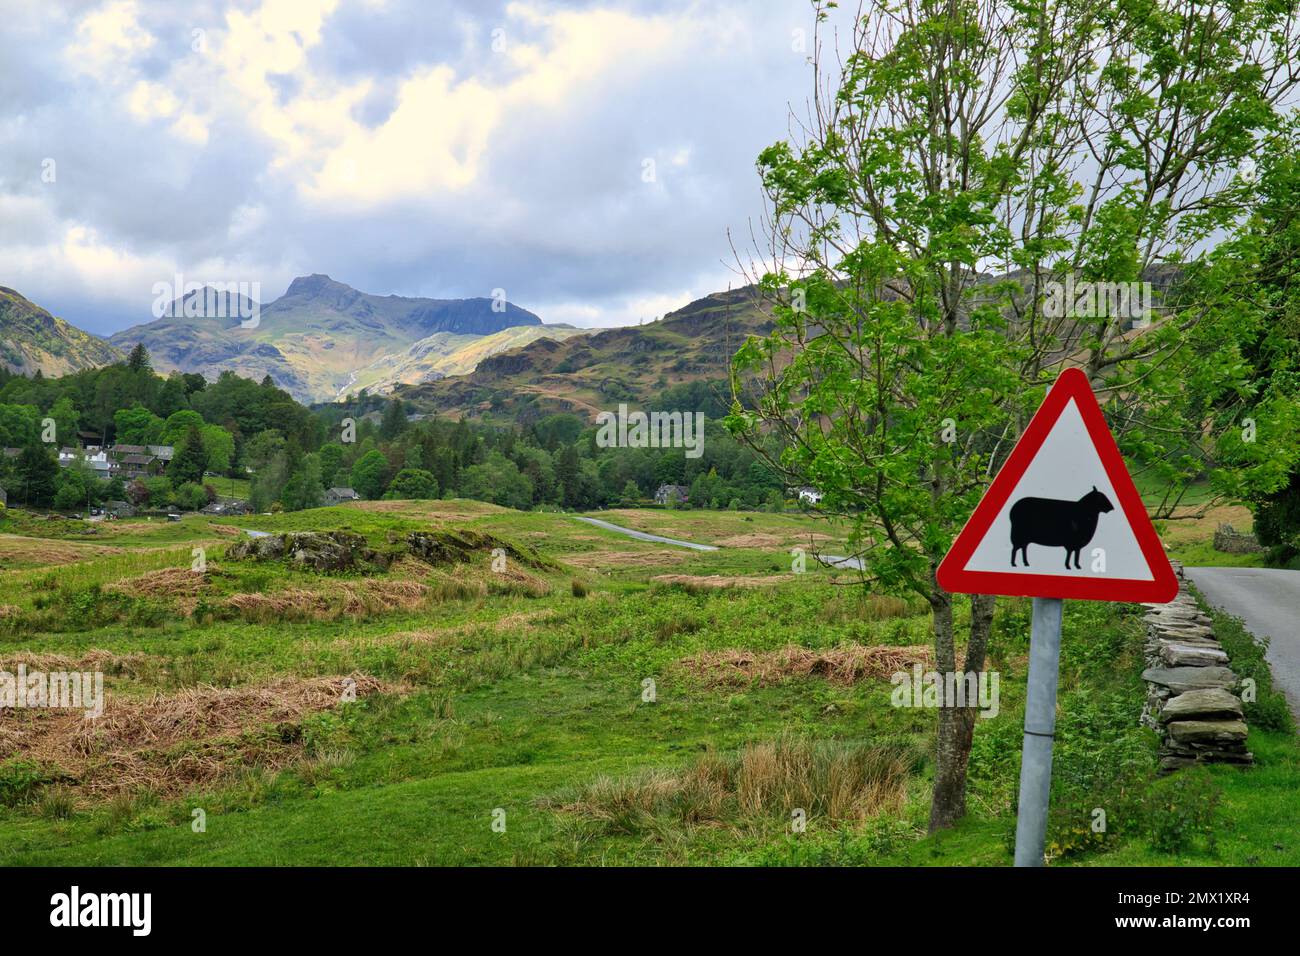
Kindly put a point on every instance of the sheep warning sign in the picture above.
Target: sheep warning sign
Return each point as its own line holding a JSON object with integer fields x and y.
{"x": 1062, "y": 518}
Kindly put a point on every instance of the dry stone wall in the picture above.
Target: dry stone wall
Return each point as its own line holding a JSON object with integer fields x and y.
{"x": 1192, "y": 700}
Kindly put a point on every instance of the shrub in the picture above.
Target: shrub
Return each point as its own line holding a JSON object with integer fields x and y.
{"x": 1180, "y": 808}
{"x": 19, "y": 780}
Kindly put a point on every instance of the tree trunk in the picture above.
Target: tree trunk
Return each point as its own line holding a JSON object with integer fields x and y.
{"x": 956, "y": 729}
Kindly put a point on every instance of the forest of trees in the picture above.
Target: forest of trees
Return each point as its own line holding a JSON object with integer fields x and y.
{"x": 236, "y": 428}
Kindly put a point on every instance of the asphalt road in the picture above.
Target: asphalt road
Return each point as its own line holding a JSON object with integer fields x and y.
{"x": 1268, "y": 602}
{"x": 645, "y": 536}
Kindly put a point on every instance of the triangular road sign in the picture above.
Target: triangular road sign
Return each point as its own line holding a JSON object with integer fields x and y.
{"x": 1062, "y": 518}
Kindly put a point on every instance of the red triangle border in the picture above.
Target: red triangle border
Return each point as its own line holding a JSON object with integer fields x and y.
{"x": 952, "y": 575}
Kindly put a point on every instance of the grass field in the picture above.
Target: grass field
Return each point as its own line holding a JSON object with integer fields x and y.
{"x": 611, "y": 702}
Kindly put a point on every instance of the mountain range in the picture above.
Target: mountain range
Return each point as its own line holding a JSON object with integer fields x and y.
{"x": 323, "y": 339}
{"x": 587, "y": 373}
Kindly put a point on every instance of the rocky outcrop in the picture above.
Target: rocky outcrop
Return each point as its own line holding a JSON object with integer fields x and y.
{"x": 1191, "y": 702}
{"x": 449, "y": 547}
{"x": 333, "y": 551}
{"x": 317, "y": 550}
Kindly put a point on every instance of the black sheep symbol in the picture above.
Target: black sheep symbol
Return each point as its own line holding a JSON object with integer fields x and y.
{"x": 1056, "y": 524}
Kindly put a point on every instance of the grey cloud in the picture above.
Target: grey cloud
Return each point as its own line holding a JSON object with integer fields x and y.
{"x": 559, "y": 213}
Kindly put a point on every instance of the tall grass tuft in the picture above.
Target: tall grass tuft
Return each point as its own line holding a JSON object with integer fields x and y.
{"x": 836, "y": 780}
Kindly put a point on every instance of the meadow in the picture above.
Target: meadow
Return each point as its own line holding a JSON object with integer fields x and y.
{"x": 586, "y": 698}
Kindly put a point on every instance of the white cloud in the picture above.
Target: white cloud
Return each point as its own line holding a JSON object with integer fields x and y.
{"x": 108, "y": 41}
{"x": 387, "y": 143}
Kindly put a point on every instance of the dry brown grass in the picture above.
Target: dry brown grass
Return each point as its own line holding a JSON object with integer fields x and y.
{"x": 521, "y": 622}
{"x": 170, "y": 744}
{"x": 342, "y": 599}
{"x": 713, "y": 582}
{"x": 839, "y": 781}
{"x": 1189, "y": 527}
{"x": 755, "y": 539}
{"x": 168, "y": 583}
{"x": 840, "y": 665}
{"x": 602, "y": 560}
{"x": 45, "y": 551}
{"x": 136, "y": 664}
{"x": 853, "y": 605}
{"x": 515, "y": 580}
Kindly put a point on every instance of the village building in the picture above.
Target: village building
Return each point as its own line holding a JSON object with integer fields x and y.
{"x": 674, "y": 494}
{"x": 336, "y": 495}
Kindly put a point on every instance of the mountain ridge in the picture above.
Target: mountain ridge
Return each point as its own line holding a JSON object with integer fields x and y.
{"x": 595, "y": 371}
{"x": 314, "y": 339}
{"x": 32, "y": 339}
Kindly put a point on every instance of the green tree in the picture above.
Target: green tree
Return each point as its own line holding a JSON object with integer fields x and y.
{"x": 158, "y": 491}
{"x": 19, "y": 425}
{"x": 370, "y": 475}
{"x": 191, "y": 496}
{"x": 66, "y": 420}
{"x": 190, "y": 462}
{"x": 631, "y": 495}
{"x": 138, "y": 360}
{"x": 36, "y": 472}
{"x": 972, "y": 160}
{"x": 137, "y": 426}
{"x": 414, "y": 483}
{"x": 218, "y": 447}
{"x": 394, "y": 421}
{"x": 499, "y": 481}
{"x": 178, "y": 424}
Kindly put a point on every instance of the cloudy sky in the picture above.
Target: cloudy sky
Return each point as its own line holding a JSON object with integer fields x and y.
{"x": 587, "y": 158}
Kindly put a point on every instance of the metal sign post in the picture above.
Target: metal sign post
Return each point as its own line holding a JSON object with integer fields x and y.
{"x": 1040, "y": 728}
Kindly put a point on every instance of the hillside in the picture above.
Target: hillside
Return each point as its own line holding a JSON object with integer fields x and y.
{"x": 450, "y": 353}
{"x": 315, "y": 339}
{"x": 584, "y": 374}
{"x": 32, "y": 340}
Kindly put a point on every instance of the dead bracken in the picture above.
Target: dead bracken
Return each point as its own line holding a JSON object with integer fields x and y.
{"x": 848, "y": 664}
{"x": 174, "y": 742}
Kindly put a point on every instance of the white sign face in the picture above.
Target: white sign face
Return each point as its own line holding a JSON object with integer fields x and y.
{"x": 1067, "y": 490}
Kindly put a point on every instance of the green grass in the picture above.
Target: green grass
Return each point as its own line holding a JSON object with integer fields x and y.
{"x": 526, "y": 704}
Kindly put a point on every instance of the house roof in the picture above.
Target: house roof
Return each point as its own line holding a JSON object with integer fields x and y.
{"x": 343, "y": 493}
